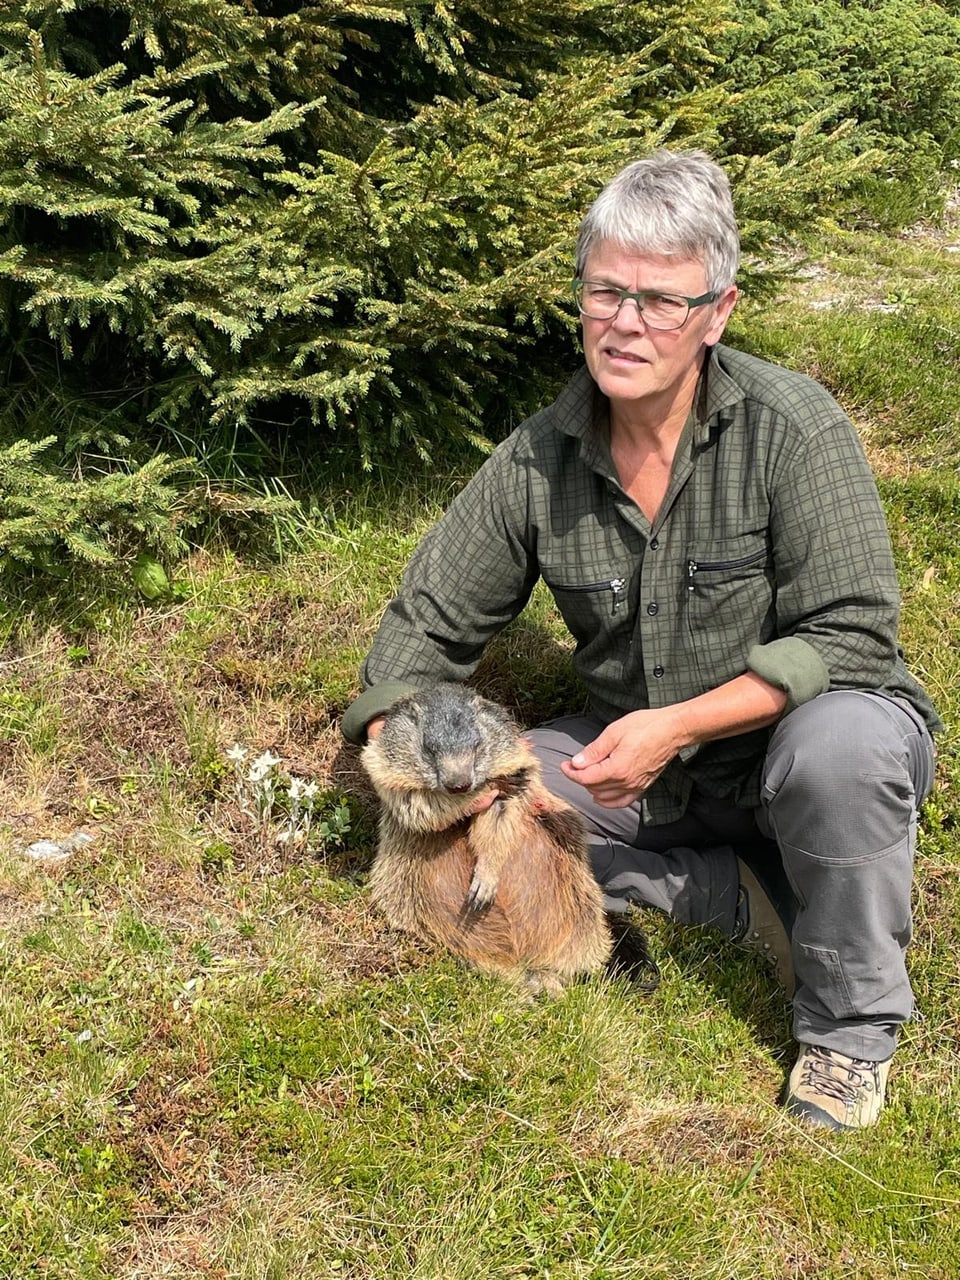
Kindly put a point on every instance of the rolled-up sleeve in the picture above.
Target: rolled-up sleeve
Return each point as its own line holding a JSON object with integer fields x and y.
{"x": 837, "y": 598}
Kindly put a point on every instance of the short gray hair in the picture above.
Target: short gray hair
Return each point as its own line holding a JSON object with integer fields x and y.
{"x": 675, "y": 203}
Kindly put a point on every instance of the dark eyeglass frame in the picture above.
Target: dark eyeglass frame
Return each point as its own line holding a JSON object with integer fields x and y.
{"x": 641, "y": 297}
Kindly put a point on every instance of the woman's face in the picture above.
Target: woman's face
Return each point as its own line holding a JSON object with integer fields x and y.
{"x": 634, "y": 365}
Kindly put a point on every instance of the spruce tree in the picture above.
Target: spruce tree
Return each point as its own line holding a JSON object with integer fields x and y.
{"x": 218, "y": 217}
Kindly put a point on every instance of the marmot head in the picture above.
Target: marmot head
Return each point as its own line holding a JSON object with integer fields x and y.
{"x": 448, "y": 739}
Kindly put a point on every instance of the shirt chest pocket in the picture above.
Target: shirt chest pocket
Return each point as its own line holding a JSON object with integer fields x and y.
{"x": 730, "y": 600}
{"x": 591, "y": 608}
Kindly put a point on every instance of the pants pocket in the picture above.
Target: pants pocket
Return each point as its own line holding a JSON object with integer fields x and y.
{"x": 819, "y": 968}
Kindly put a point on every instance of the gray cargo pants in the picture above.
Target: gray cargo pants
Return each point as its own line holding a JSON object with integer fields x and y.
{"x": 843, "y": 778}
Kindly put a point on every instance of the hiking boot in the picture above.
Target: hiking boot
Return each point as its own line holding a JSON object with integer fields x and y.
{"x": 833, "y": 1091}
{"x": 764, "y": 920}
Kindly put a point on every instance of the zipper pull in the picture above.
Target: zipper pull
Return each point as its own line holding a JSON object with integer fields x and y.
{"x": 618, "y": 587}
{"x": 692, "y": 568}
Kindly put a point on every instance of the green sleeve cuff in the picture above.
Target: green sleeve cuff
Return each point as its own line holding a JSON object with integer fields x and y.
{"x": 793, "y": 665}
{"x": 373, "y": 702}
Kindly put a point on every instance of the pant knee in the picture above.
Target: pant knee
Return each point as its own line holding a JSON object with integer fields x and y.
{"x": 840, "y": 778}
{"x": 833, "y": 741}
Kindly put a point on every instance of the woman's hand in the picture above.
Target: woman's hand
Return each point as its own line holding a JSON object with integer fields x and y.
{"x": 632, "y": 752}
{"x": 628, "y": 756}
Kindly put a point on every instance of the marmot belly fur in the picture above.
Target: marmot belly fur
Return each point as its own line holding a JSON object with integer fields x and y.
{"x": 510, "y": 889}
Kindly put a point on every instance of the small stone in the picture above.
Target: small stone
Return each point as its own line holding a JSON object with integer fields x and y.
{"x": 57, "y": 850}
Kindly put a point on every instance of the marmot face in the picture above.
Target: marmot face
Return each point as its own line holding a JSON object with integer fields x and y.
{"x": 445, "y": 739}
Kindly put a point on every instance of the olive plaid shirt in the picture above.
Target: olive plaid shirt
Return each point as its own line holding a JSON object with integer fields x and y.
{"x": 770, "y": 553}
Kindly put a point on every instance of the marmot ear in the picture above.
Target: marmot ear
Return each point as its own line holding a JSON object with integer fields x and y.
{"x": 407, "y": 706}
{"x": 495, "y": 714}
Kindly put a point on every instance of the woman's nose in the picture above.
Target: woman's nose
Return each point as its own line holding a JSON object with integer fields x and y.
{"x": 629, "y": 316}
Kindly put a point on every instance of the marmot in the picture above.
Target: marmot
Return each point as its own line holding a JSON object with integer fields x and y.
{"x": 509, "y": 889}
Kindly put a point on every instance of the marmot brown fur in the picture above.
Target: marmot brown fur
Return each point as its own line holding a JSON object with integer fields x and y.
{"x": 510, "y": 889}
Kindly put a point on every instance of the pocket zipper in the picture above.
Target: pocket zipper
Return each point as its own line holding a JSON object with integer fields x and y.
{"x": 616, "y": 585}
{"x": 695, "y": 566}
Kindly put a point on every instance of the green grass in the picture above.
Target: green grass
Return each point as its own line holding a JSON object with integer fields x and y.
{"x": 877, "y": 320}
{"x": 215, "y": 1062}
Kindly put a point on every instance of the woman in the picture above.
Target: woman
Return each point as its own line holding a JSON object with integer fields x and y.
{"x": 713, "y": 537}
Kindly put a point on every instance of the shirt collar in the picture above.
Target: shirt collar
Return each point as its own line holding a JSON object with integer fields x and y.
{"x": 717, "y": 393}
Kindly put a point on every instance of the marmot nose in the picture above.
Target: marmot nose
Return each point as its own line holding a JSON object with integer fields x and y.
{"x": 456, "y": 773}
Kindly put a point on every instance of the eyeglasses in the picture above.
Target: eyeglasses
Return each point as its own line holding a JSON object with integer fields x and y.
{"x": 599, "y": 301}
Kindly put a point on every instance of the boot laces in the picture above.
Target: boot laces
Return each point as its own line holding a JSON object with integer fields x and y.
{"x": 834, "y": 1077}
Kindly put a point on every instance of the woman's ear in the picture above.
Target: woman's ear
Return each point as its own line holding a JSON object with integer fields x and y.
{"x": 721, "y": 314}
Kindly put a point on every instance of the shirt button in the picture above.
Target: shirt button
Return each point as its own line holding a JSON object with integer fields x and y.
{"x": 658, "y": 671}
{"x": 654, "y": 544}
{"x": 653, "y": 608}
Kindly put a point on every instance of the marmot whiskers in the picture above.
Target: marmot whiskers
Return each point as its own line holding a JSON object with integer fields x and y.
{"x": 509, "y": 889}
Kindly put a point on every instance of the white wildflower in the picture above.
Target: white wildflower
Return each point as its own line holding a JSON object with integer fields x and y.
{"x": 263, "y": 767}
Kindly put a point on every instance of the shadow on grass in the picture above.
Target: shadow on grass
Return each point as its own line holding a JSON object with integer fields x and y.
{"x": 702, "y": 967}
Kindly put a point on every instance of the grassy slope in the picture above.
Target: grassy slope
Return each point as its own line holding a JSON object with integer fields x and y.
{"x": 216, "y": 1064}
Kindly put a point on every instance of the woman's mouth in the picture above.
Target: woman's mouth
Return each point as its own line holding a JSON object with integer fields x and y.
{"x": 614, "y": 353}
